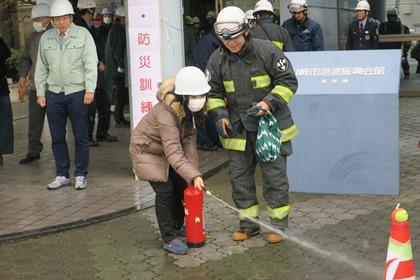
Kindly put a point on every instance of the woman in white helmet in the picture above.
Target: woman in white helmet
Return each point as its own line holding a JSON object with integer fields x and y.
{"x": 163, "y": 150}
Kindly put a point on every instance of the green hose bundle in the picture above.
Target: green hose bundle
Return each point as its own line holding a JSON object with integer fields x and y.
{"x": 268, "y": 138}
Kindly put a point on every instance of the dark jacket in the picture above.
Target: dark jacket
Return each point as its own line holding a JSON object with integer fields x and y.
{"x": 260, "y": 71}
{"x": 306, "y": 36}
{"x": 363, "y": 39}
{"x": 101, "y": 36}
{"x": 29, "y": 56}
{"x": 4, "y": 55}
{"x": 265, "y": 29}
{"x": 395, "y": 28}
{"x": 115, "y": 55}
{"x": 203, "y": 50}
{"x": 162, "y": 139}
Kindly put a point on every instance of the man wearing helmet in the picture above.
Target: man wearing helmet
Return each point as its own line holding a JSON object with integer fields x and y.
{"x": 250, "y": 18}
{"x": 305, "y": 32}
{"x": 249, "y": 78}
{"x": 394, "y": 26}
{"x": 65, "y": 80}
{"x": 41, "y": 21}
{"x": 363, "y": 32}
{"x": 265, "y": 29}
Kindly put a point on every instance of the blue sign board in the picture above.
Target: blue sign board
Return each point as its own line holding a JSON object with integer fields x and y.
{"x": 347, "y": 111}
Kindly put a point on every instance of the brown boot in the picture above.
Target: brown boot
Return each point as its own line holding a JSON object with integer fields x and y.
{"x": 273, "y": 238}
{"x": 244, "y": 234}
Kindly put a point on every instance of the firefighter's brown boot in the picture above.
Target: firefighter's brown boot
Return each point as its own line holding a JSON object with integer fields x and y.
{"x": 273, "y": 238}
{"x": 244, "y": 234}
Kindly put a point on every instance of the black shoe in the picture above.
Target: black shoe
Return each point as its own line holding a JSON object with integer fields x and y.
{"x": 29, "y": 159}
{"x": 107, "y": 138}
{"x": 93, "y": 143}
{"x": 122, "y": 124}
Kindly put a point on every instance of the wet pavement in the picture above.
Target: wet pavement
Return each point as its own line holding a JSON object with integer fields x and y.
{"x": 348, "y": 236}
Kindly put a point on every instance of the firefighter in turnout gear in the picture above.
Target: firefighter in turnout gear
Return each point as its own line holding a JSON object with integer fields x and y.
{"x": 363, "y": 32}
{"x": 264, "y": 27}
{"x": 249, "y": 77}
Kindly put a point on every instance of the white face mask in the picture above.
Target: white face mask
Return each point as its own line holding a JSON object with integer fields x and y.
{"x": 107, "y": 20}
{"x": 196, "y": 104}
{"x": 38, "y": 26}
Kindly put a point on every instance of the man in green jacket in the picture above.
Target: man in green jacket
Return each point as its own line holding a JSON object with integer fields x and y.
{"x": 65, "y": 80}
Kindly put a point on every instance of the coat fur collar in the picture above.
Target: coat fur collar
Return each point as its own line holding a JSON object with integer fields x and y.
{"x": 167, "y": 96}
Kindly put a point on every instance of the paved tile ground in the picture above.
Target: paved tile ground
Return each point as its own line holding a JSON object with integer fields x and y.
{"x": 352, "y": 232}
{"x": 26, "y": 205}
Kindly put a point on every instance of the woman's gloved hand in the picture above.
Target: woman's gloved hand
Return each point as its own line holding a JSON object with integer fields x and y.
{"x": 198, "y": 183}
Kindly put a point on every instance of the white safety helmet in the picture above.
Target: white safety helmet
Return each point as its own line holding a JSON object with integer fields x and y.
{"x": 48, "y": 2}
{"x": 362, "y": 6}
{"x": 211, "y": 14}
{"x": 191, "y": 80}
{"x": 230, "y": 23}
{"x": 249, "y": 15}
{"x": 86, "y": 4}
{"x": 120, "y": 11}
{"x": 263, "y": 5}
{"x": 40, "y": 10}
{"x": 107, "y": 10}
{"x": 296, "y": 6}
{"x": 61, "y": 8}
{"x": 195, "y": 20}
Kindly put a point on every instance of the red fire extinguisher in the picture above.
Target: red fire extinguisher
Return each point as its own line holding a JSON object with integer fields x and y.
{"x": 193, "y": 204}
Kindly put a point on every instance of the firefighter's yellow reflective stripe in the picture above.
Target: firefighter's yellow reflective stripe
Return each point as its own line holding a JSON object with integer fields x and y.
{"x": 283, "y": 92}
{"x": 250, "y": 212}
{"x": 403, "y": 251}
{"x": 278, "y": 213}
{"x": 261, "y": 81}
{"x": 235, "y": 144}
{"x": 278, "y": 44}
{"x": 229, "y": 86}
{"x": 213, "y": 103}
{"x": 289, "y": 133}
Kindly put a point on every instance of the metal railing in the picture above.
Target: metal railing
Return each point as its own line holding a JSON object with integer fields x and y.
{"x": 399, "y": 38}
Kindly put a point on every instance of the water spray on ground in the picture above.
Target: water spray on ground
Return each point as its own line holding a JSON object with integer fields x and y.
{"x": 370, "y": 270}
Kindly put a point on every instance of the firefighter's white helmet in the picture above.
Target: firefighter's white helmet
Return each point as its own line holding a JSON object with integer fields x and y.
{"x": 120, "y": 11}
{"x": 249, "y": 15}
{"x": 296, "y": 6}
{"x": 230, "y": 23}
{"x": 61, "y": 8}
{"x": 191, "y": 80}
{"x": 107, "y": 10}
{"x": 40, "y": 10}
{"x": 263, "y": 5}
{"x": 86, "y": 4}
{"x": 362, "y": 6}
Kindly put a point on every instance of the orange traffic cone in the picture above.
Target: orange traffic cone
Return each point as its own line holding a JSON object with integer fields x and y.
{"x": 399, "y": 260}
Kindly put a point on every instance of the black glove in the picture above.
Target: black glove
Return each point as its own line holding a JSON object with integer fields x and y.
{"x": 223, "y": 127}
{"x": 254, "y": 111}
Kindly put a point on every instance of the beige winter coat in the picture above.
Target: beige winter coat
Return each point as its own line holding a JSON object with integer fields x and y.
{"x": 159, "y": 140}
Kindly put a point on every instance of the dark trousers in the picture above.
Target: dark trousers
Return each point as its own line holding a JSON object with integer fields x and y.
{"x": 6, "y": 125}
{"x": 35, "y": 125}
{"x": 121, "y": 93}
{"x": 101, "y": 105}
{"x": 275, "y": 182}
{"x": 59, "y": 107}
{"x": 169, "y": 205}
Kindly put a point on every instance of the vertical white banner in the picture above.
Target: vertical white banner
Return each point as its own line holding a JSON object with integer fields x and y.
{"x": 144, "y": 56}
